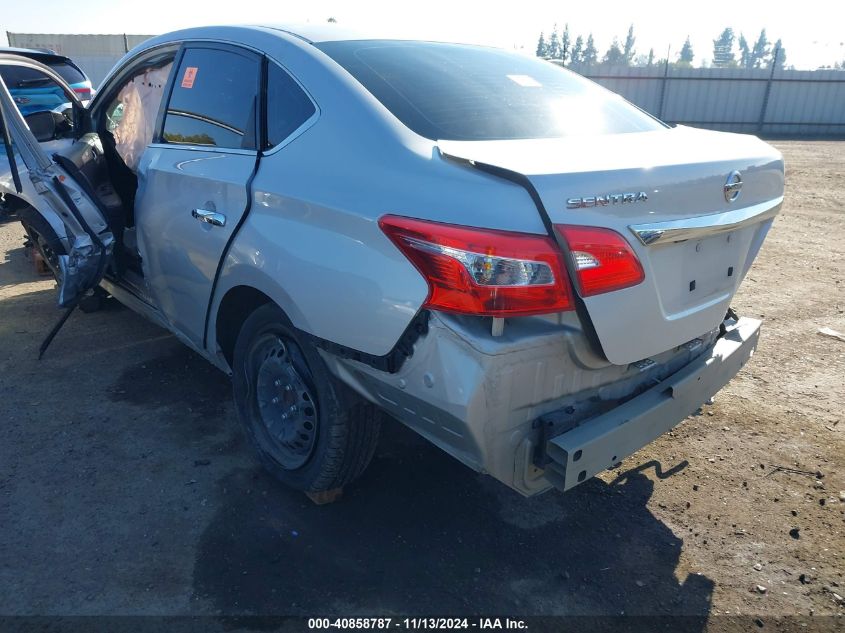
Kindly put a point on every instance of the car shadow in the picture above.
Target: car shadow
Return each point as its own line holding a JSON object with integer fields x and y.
{"x": 421, "y": 534}
{"x": 418, "y": 534}
{"x": 16, "y": 268}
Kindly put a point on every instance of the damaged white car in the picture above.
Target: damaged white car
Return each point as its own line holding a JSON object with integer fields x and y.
{"x": 527, "y": 270}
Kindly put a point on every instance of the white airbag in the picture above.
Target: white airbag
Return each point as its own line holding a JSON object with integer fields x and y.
{"x": 141, "y": 98}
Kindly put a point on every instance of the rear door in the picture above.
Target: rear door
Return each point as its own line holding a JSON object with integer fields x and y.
{"x": 193, "y": 180}
{"x": 85, "y": 239}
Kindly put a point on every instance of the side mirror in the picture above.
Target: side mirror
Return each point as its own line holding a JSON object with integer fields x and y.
{"x": 42, "y": 125}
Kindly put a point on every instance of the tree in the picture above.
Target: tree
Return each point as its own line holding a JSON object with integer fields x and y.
{"x": 640, "y": 60}
{"x": 686, "y": 55}
{"x": 332, "y": 21}
{"x": 614, "y": 55}
{"x": 554, "y": 44}
{"x": 779, "y": 55}
{"x": 628, "y": 51}
{"x": 565, "y": 43}
{"x": 745, "y": 60}
{"x": 577, "y": 55}
{"x": 591, "y": 53}
{"x": 650, "y": 56}
{"x": 542, "y": 47}
{"x": 760, "y": 51}
{"x": 723, "y": 49}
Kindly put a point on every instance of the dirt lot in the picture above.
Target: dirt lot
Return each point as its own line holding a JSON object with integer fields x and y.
{"x": 125, "y": 487}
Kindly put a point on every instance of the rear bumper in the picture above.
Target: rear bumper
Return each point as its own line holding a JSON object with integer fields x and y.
{"x": 602, "y": 441}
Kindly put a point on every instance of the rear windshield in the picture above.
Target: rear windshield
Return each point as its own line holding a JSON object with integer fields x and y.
{"x": 68, "y": 72}
{"x": 460, "y": 92}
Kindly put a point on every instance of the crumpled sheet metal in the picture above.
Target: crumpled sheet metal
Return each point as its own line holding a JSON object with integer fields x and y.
{"x": 80, "y": 267}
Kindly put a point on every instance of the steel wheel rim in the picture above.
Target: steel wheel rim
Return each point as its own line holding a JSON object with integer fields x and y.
{"x": 287, "y": 409}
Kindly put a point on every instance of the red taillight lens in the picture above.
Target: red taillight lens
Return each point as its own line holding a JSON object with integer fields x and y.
{"x": 481, "y": 271}
{"x": 603, "y": 259}
{"x": 83, "y": 93}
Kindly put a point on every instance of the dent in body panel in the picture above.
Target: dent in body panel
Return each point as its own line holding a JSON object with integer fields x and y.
{"x": 687, "y": 287}
{"x": 476, "y": 396}
{"x": 334, "y": 274}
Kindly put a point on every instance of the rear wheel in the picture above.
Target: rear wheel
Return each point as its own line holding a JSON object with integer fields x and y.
{"x": 309, "y": 430}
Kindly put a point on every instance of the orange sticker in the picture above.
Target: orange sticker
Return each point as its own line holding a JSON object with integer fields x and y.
{"x": 190, "y": 75}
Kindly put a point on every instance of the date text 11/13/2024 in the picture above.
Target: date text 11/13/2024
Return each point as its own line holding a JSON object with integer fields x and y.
{"x": 416, "y": 623}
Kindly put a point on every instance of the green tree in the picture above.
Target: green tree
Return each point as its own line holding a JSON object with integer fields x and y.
{"x": 745, "y": 59}
{"x": 565, "y": 45}
{"x": 761, "y": 50}
{"x": 614, "y": 55}
{"x": 779, "y": 55}
{"x": 591, "y": 53}
{"x": 723, "y": 49}
{"x": 577, "y": 55}
{"x": 650, "y": 56}
{"x": 686, "y": 55}
{"x": 332, "y": 21}
{"x": 554, "y": 44}
{"x": 628, "y": 51}
{"x": 542, "y": 46}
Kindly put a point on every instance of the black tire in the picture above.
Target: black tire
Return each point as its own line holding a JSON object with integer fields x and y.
{"x": 345, "y": 427}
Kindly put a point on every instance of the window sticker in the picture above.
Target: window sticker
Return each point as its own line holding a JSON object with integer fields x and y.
{"x": 189, "y": 76}
{"x": 525, "y": 81}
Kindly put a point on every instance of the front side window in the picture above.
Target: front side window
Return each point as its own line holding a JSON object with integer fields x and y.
{"x": 214, "y": 100}
{"x": 288, "y": 106}
{"x": 473, "y": 93}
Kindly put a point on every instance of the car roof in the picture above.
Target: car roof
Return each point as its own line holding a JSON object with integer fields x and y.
{"x": 318, "y": 33}
{"x": 315, "y": 33}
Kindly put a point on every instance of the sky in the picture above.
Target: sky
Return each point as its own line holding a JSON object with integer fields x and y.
{"x": 813, "y": 35}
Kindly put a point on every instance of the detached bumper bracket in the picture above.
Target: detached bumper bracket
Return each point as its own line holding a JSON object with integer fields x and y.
{"x": 603, "y": 441}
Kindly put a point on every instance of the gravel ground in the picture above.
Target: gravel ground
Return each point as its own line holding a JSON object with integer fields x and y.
{"x": 125, "y": 487}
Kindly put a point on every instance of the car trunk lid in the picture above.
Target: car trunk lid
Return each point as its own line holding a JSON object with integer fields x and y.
{"x": 671, "y": 194}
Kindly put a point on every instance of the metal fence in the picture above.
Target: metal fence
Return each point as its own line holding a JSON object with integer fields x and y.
{"x": 769, "y": 102}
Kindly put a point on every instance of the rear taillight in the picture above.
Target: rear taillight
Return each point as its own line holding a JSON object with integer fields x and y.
{"x": 83, "y": 93}
{"x": 481, "y": 271}
{"x": 603, "y": 259}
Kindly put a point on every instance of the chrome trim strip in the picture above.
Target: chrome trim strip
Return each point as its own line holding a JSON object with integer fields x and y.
{"x": 705, "y": 225}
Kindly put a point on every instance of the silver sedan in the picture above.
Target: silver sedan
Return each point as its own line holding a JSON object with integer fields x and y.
{"x": 529, "y": 271}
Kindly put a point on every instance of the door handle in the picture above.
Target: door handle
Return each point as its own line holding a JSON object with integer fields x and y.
{"x": 209, "y": 217}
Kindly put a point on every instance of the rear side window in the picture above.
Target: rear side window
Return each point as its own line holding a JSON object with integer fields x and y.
{"x": 288, "y": 106}
{"x": 459, "y": 92}
{"x": 214, "y": 100}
